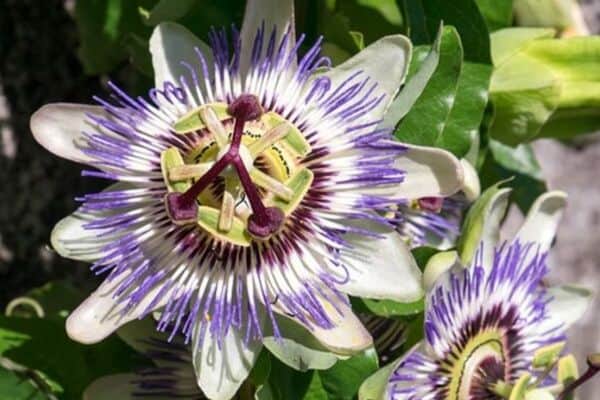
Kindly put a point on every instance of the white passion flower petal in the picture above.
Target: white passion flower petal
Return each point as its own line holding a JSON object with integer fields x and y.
{"x": 106, "y": 310}
{"x": 222, "y": 364}
{"x": 264, "y": 16}
{"x": 346, "y": 335}
{"x": 174, "y": 50}
{"x": 59, "y": 128}
{"x": 429, "y": 172}
{"x": 542, "y": 220}
{"x": 384, "y": 63}
{"x": 381, "y": 267}
{"x": 83, "y": 235}
{"x": 568, "y": 304}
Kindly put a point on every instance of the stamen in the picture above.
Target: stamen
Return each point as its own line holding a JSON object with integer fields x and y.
{"x": 188, "y": 171}
{"x": 268, "y": 139}
{"x": 271, "y": 184}
{"x": 215, "y": 126}
{"x": 227, "y": 207}
{"x": 593, "y": 362}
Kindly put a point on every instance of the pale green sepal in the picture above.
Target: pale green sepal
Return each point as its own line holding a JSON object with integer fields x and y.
{"x": 298, "y": 348}
{"x": 437, "y": 265}
{"x": 545, "y": 356}
{"x": 539, "y": 394}
{"x": 482, "y": 223}
{"x": 373, "y": 388}
{"x": 567, "y": 372}
{"x": 520, "y": 389}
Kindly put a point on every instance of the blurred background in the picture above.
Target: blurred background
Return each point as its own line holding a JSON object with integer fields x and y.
{"x": 55, "y": 50}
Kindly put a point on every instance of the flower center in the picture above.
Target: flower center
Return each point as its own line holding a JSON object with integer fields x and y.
{"x": 475, "y": 369}
{"x": 243, "y": 175}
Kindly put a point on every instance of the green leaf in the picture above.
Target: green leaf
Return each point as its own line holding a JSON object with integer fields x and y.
{"x": 103, "y": 25}
{"x": 429, "y": 122}
{"x": 167, "y": 10}
{"x": 139, "y": 54}
{"x": 524, "y": 93}
{"x": 57, "y": 298}
{"x": 42, "y": 345}
{"x": 316, "y": 391}
{"x": 425, "y": 17}
{"x": 541, "y": 81}
{"x": 497, "y": 13}
{"x": 20, "y": 385}
{"x": 284, "y": 383}
{"x": 373, "y": 388}
{"x": 373, "y": 18}
{"x": 388, "y": 308}
{"x": 526, "y": 188}
{"x": 343, "y": 380}
{"x": 520, "y": 159}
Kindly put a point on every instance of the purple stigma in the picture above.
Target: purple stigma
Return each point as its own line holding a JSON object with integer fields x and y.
{"x": 182, "y": 207}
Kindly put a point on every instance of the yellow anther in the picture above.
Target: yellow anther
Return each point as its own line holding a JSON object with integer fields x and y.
{"x": 271, "y": 137}
{"x": 228, "y": 205}
{"x": 271, "y": 184}
{"x": 188, "y": 171}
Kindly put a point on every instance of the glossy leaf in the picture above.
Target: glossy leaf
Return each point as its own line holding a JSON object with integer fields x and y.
{"x": 343, "y": 380}
{"x": 167, "y": 10}
{"x": 103, "y": 25}
{"x": 388, "y": 308}
{"x": 42, "y": 345}
{"x": 21, "y": 385}
{"x": 450, "y": 104}
{"x": 497, "y": 13}
{"x": 284, "y": 383}
{"x": 316, "y": 391}
{"x": 425, "y": 17}
{"x": 373, "y": 388}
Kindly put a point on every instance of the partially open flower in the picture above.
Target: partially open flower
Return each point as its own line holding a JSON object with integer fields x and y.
{"x": 252, "y": 184}
{"x": 493, "y": 327}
